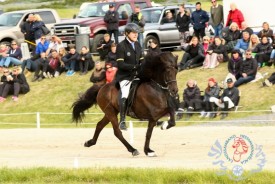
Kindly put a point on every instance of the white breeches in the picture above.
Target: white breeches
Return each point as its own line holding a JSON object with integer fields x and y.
{"x": 125, "y": 88}
{"x": 221, "y": 105}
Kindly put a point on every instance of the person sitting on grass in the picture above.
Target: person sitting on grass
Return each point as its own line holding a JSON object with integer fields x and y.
{"x": 70, "y": 60}
{"x": 104, "y": 47}
{"x": 234, "y": 65}
{"x": 243, "y": 43}
{"x": 53, "y": 65}
{"x": 270, "y": 81}
{"x": 228, "y": 99}
{"x": 248, "y": 69}
{"x": 98, "y": 77}
{"x": 111, "y": 57}
{"x": 42, "y": 65}
{"x": 85, "y": 59}
{"x": 110, "y": 72}
{"x": 13, "y": 56}
{"x": 14, "y": 83}
{"x": 263, "y": 51}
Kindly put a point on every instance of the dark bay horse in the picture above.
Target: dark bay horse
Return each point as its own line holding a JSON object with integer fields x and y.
{"x": 151, "y": 101}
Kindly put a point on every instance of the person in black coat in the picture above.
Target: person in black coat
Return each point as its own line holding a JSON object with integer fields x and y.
{"x": 182, "y": 22}
{"x": 111, "y": 18}
{"x": 70, "y": 61}
{"x": 129, "y": 57}
{"x": 104, "y": 47}
{"x": 248, "y": 69}
{"x": 234, "y": 64}
{"x": 111, "y": 57}
{"x": 26, "y": 30}
{"x": 85, "y": 59}
{"x": 263, "y": 51}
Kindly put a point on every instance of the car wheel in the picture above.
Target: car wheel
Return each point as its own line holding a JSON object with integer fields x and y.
{"x": 148, "y": 39}
{"x": 98, "y": 38}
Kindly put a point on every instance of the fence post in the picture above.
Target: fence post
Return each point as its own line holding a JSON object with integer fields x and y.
{"x": 38, "y": 120}
{"x": 131, "y": 133}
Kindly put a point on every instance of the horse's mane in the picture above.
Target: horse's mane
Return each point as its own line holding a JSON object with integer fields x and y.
{"x": 154, "y": 65}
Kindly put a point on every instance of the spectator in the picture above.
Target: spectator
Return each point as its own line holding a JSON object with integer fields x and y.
{"x": 234, "y": 15}
{"x": 246, "y": 28}
{"x": 70, "y": 60}
{"x": 199, "y": 19}
{"x": 110, "y": 72}
{"x": 216, "y": 12}
{"x": 85, "y": 59}
{"x": 111, "y": 57}
{"x": 138, "y": 19}
{"x": 53, "y": 65}
{"x": 111, "y": 18}
{"x": 13, "y": 56}
{"x": 205, "y": 44}
{"x": 4, "y": 81}
{"x": 168, "y": 18}
{"x": 15, "y": 84}
{"x": 36, "y": 28}
{"x": 231, "y": 36}
{"x": 98, "y": 77}
{"x": 153, "y": 48}
{"x": 234, "y": 65}
{"x": 191, "y": 98}
{"x": 254, "y": 41}
{"x": 193, "y": 56}
{"x": 183, "y": 21}
{"x": 61, "y": 68}
{"x": 243, "y": 43}
{"x": 272, "y": 55}
{"x": 26, "y": 30}
{"x": 216, "y": 53}
{"x": 263, "y": 51}
{"x": 4, "y": 49}
{"x": 266, "y": 31}
{"x": 55, "y": 44}
{"x": 248, "y": 69}
{"x": 212, "y": 90}
{"x": 270, "y": 81}
{"x": 228, "y": 99}
{"x": 42, "y": 65}
{"x": 104, "y": 47}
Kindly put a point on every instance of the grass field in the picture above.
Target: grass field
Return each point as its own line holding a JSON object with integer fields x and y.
{"x": 124, "y": 175}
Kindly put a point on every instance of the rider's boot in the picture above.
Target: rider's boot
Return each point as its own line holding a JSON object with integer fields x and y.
{"x": 122, "y": 106}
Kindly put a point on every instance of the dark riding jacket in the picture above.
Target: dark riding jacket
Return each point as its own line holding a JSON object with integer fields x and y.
{"x": 127, "y": 59}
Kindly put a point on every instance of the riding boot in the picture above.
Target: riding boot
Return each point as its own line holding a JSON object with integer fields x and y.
{"x": 225, "y": 109}
{"x": 212, "y": 108}
{"x": 122, "y": 124}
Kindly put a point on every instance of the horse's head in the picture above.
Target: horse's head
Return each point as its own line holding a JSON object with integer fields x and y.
{"x": 170, "y": 71}
{"x": 240, "y": 145}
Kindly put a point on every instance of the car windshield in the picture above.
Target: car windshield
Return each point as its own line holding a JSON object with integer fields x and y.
{"x": 94, "y": 10}
{"x": 151, "y": 16}
{"x": 10, "y": 19}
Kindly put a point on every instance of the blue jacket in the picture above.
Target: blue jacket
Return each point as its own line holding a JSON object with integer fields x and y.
{"x": 241, "y": 44}
{"x": 42, "y": 48}
{"x": 199, "y": 18}
{"x": 36, "y": 29}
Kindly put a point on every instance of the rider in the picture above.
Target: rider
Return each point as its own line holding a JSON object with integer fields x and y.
{"x": 129, "y": 56}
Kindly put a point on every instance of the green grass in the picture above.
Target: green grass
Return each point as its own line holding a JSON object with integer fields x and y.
{"x": 124, "y": 175}
{"x": 67, "y": 13}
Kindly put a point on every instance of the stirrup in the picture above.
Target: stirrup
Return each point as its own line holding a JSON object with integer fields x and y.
{"x": 122, "y": 125}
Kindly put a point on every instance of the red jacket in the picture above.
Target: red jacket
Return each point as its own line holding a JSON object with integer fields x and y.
{"x": 235, "y": 16}
{"x": 110, "y": 74}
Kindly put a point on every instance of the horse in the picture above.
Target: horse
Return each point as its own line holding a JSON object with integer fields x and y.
{"x": 151, "y": 102}
{"x": 240, "y": 147}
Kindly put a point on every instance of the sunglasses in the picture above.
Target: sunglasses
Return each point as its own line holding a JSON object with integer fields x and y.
{"x": 43, "y": 38}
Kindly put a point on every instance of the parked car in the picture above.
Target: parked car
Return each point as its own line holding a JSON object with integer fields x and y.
{"x": 90, "y": 20}
{"x": 165, "y": 34}
{"x": 11, "y": 22}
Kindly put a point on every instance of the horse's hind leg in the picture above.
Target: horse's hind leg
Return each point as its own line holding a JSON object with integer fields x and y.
{"x": 147, "y": 149}
{"x": 100, "y": 125}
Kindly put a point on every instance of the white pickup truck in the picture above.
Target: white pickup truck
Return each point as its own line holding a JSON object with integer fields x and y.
{"x": 10, "y": 23}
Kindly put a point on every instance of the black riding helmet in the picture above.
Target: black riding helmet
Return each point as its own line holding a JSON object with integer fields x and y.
{"x": 131, "y": 27}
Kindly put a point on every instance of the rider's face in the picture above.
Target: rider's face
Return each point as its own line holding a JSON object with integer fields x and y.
{"x": 133, "y": 36}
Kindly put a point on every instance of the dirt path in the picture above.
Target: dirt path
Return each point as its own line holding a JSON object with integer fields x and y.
{"x": 183, "y": 147}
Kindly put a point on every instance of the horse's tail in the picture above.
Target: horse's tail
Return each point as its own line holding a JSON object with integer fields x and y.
{"x": 85, "y": 101}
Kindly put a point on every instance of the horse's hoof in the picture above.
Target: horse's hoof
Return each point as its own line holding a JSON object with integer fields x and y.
{"x": 135, "y": 153}
{"x": 151, "y": 154}
{"x": 89, "y": 143}
{"x": 164, "y": 125}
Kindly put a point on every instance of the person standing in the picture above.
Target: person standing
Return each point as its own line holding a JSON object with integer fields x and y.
{"x": 182, "y": 22}
{"x": 234, "y": 15}
{"x": 139, "y": 20}
{"x": 216, "y": 12}
{"x": 26, "y": 30}
{"x": 199, "y": 18}
{"x": 129, "y": 57}
{"x": 111, "y": 18}
{"x": 36, "y": 28}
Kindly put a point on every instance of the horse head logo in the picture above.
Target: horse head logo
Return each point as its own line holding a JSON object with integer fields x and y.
{"x": 240, "y": 147}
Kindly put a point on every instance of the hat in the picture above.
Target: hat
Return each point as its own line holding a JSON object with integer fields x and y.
{"x": 212, "y": 79}
{"x": 229, "y": 80}
{"x": 111, "y": 5}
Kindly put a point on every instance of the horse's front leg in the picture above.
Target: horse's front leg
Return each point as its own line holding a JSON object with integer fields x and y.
{"x": 147, "y": 149}
{"x": 100, "y": 125}
{"x": 171, "y": 122}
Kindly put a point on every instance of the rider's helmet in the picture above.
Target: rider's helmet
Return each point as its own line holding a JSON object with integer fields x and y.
{"x": 131, "y": 27}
